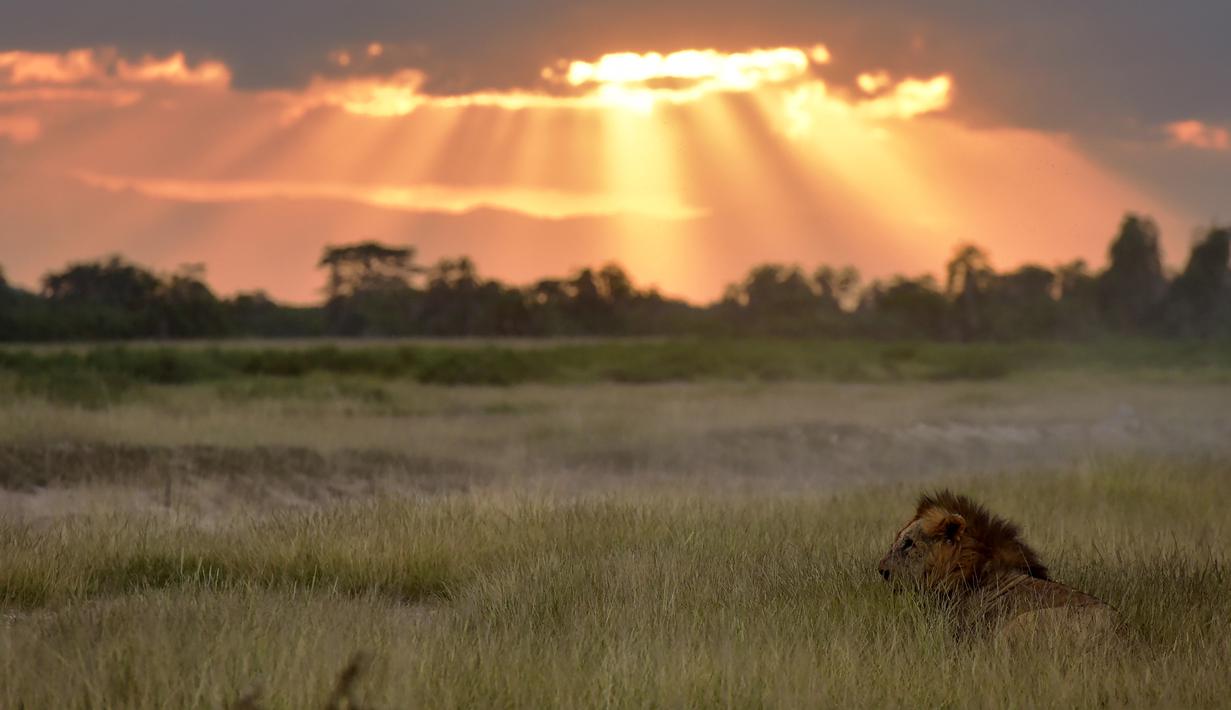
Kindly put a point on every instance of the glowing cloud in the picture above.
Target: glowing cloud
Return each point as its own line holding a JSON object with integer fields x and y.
{"x": 543, "y": 204}
{"x": 625, "y": 80}
{"x": 20, "y": 129}
{"x": 1196, "y": 134}
{"x": 636, "y": 81}
{"x": 174, "y": 70}
{"x": 88, "y": 66}
{"x": 18, "y": 68}
{"x": 400, "y": 94}
{"x": 740, "y": 71}
{"x": 804, "y": 106}
{"x": 910, "y": 98}
{"x": 872, "y": 82}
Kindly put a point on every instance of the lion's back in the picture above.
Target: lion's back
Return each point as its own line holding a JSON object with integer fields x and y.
{"x": 1075, "y": 625}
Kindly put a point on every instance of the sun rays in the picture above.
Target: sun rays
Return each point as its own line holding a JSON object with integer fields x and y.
{"x": 686, "y": 166}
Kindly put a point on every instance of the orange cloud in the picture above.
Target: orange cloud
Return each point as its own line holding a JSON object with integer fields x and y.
{"x": 540, "y": 203}
{"x": 872, "y": 82}
{"x": 910, "y": 98}
{"x": 737, "y": 71}
{"x": 105, "y": 67}
{"x": 811, "y": 103}
{"x": 20, "y": 129}
{"x": 629, "y": 81}
{"x": 636, "y": 81}
{"x": 400, "y": 94}
{"x": 18, "y": 68}
{"x": 174, "y": 70}
{"x": 1196, "y": 134}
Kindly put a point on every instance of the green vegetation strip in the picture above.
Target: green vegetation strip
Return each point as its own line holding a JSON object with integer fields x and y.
{"x": 100, "y": 373}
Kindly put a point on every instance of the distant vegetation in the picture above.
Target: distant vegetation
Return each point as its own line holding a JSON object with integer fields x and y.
{"x": 377, "y": 290}
{"x": 103, "y": 375}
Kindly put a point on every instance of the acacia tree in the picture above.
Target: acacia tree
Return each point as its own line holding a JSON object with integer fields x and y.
{"x": 369, "y": 288}
{"x": 367, "y": 266}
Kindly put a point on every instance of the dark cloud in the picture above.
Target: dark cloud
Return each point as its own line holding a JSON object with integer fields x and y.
{"x": 1104, "y": 67}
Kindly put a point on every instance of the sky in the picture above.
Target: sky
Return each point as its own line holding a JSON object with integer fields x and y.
{"x": 687, "y": 141}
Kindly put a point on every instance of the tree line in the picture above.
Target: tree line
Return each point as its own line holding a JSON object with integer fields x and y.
{"x": 373, "y": 289}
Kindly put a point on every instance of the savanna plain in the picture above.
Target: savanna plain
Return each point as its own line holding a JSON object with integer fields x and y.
{"x": 595, "y": 524}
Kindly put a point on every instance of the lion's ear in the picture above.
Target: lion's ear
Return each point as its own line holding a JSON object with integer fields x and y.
{"x": 952, "y": 527}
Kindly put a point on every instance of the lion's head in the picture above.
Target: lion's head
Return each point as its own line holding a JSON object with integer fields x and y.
{"x": 953, "y": 543}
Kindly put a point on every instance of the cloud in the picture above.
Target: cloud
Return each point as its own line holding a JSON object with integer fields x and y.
{"x": 99, "y": 76}
{"x": 907, "y": 99}
{"x": 872, "y": 82}
{"x": 173, "y": 69}
{"x": 910, "y": 98}
{"x": 1196, "y": 134}
{"x": 624, "y": 80}
{"x": 103, "y": 67}
{"x": 738, "y": 70}
{"x": 539, "y": 203}
{"x": 19, "y": 68}
{"x": 20, "y": 129}
{"x": 401, "y": 94}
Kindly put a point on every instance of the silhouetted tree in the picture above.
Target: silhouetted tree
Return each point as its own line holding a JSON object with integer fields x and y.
{"x": 838, "y": 289}
{"x": 107, "y": 299}
{"x": 1133, "y": 285}
{"x": 186, "y": 308}
{"x": 113, "y": 283}
{"x": 968, "y": 285}
{"x": 375, "y": 289}
{"x": 369, "y": 288}
{"x": 458, "y": 302}
{"x": 906, "y": 307}
{"x": 1199, "y": 300}
{"x": 1077, "y": 295}
{"x": 1024, "y": 303}
{"x": 256, "y": 314}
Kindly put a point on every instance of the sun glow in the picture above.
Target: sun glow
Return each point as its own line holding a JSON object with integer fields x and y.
{"x": 545, "y": 204}
{"x": 686, "y": 166}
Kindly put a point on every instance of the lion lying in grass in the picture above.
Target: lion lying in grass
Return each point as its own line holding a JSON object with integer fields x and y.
{"x": 993, "y": 582}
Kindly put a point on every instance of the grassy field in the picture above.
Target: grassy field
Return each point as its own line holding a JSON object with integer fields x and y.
{"x": 672, "y": 600}
{"x": 574, "y": 540}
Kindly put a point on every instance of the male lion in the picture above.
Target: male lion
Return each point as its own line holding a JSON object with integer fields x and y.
{"x": 993, "y": 582}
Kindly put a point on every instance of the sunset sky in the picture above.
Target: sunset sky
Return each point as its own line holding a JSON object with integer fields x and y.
{"x": 687, "y": 141}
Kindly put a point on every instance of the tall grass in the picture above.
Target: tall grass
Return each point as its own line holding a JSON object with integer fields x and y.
{"x": 631, "y": 599}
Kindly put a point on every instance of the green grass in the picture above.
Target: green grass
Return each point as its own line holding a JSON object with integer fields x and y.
{"x": 641, "y": 598}
{"x": 97, "y": 376}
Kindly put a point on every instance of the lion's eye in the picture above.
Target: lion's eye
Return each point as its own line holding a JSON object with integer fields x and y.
{"x": 907, "y": 544}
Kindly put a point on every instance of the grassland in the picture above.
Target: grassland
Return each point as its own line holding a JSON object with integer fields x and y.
{"x": 622, "y": 601}
{"x": 574, "y": 540}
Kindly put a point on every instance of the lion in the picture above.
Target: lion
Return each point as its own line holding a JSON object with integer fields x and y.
{"x": 992, "y": 582}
